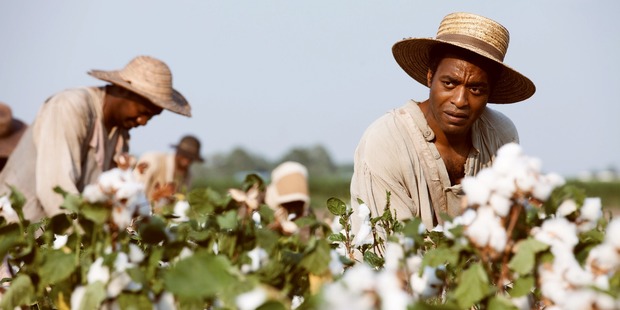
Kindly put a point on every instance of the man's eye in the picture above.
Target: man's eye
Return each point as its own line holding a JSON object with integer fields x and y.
{"x": 448, "y": 84}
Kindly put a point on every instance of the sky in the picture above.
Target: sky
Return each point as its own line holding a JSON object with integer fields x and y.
{"x": 271, "y": 75}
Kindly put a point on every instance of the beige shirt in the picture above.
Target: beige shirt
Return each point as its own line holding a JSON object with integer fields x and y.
{"x": 397, "y": 154}
{"x": 159, "y": 169}
{"x": 67, "y": 146}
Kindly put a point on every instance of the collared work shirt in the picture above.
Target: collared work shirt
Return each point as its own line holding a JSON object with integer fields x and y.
{"x": 67, "y": 146}
{"x": 397, "y": 153}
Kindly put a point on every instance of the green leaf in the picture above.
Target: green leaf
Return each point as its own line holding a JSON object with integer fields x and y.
{"x": 501, "y": 303}
{"x": 20, "y": 293}
{"x": 373, "y": 259}
{"x": 339, "y": 237}
{"x": 522, "y": 286}
{"x": 93, "y": 296}
{"x": 266, "y": 239}
{"x": 336, "y": 206}
{"x": 272, "y": 305}
{"x": 17, "y": 202}
{"x": 228, "y": 221}
{"x": 10, "y": 236}
{"x": 440, "y": 256}
{"x": 59, "y": 223}
{"x": 201, "y": 275}
{"x": 128, "y": 301}
{"x": 473, "y": 286}
{"x": 98, "y": 213}
{"x": 316, "y": 261}
{"x": 56, "y": 266}
{"x": 524, "y": 260}
{"x": 72, "y": 202}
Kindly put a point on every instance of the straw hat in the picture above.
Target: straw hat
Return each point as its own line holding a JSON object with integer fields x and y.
{"x": 189, "y": 146}
{"x": 289, "y": 182}
{"x": 475, "y": 33}
{"x": 11, "y": 130}
{"x": 150, "y": 78}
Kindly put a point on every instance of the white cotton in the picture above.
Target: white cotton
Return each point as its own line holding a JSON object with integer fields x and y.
{"x": 487, "y": 229}
{"x": 427, "y": 284}
{"x": 93, "y": 194}
{"x": 256, "y": 218}
{"x": 111, "y": 180}
{"x": 335, "y": 225}
{"x": 258, "y": 257}
{"x": 542, "y": 190}
{"x": 60, "y": 241}
{"x": 390, "y": 292}
{"x": 362, "y": 211}
{"x": 363, "y": 235}
{"x": 119, "y": 281}
{"x": 122, "y": 217}
{"x": 165, "y": 302}
{"x": 603, "y": 259}
{"x": 121, "y": 263}
{"x": 336, "y": 267}
{"x": 252, "y": 299}
{"x": 522, "y": 303}
{"x": 98, "y": 272}
{"x": 500, "y": 204}
{"x": 185, "y": 253}
{"x": 337, "y": 296}
{"x": 566, "y": 208}
{"x": 612, "y": 233}
{"x": 414, "y": 263}
{"x": 180, "y": 210}
{"x": 525, "y": 180}
{"x": 359, "y": 278}
{"x": 476, "y": 190}
{"x": 289, "y": 227}
{"x": 591, "y": 210}
{"x": 7, "y": 211}
{"x": 296, "y": 301}
{"x": 135, "y": 253}
{"x": 406, "y": 242}
{"x": 393, "y": 254}
{"x": 77, "y": 296}
{"x": 558, "y": 232}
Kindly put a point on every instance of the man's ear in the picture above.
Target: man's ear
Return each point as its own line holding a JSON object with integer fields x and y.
{"x": 429, "y": 78}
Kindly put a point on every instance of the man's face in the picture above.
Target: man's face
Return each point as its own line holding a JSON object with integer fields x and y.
{"x": 132, "y": 110}
{"x": 182, "y": 162}
{"x": 459, "y": 91}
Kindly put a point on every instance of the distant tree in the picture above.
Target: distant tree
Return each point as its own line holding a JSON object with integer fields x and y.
{"x": 315, "y": 158}
{"x": 238, "y": 160}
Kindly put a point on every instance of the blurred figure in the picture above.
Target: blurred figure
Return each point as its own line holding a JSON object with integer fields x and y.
{"x": 11, "y": 130}
{"x": 160, "y": 170}
{"x": 289, "y": 190}
{"x": 78, "y": 132}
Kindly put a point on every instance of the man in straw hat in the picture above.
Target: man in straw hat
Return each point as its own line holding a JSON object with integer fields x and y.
{"x": 11, "y": 130}
{"x": 78, "y": 132}
{"x": 160, "y": 169}
{"x": 421, "y": 151}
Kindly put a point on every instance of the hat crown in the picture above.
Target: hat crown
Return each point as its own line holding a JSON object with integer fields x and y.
{"x": 150, "y": 76}
{"x": 477, "y": 32}
{"x": 190, "y": 146}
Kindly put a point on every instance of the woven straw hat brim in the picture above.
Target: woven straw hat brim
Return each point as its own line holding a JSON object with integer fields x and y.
{"x": 413, "y": 56}
{"x": 178, "y": 104}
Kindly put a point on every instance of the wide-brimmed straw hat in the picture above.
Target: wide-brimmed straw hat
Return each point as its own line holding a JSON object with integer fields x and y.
{"x": 477, "y": 34}
{"x": 150, "y": 78}
{"x": 289, "y": 182}
{"x": 189, "y": 146}
{"x": 11, "y": 130}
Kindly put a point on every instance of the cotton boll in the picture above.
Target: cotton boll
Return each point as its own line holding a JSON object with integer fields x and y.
{"x": 255, "y": 218}
{"x": 500, "y": 204}
{"x": 258, "y": 257}
{"x": 93, "y": 194}
{"x": 522, "y": 303}
{"x": 603, "y": 259}
{"x": 180, "y": 209}
{"x": 77, "y": 296}
{"x": 363, "y": 235}
{"x": 478, "y": 231}
{"x": 118, "y": 282}
{"x": 98, "y": 272}
{"x": 60, "y": 241}
{"x": 542, "y": 190}
{"x": 359, "y": 278}
{"x": 335, "y": 265}
{"x": 507, "y": 155}
{"x": 390, "y": 291}
{"x": 612, "y": 235}
{"x": 109, "y": 181}
{"x": 393, "y": 254}
{"x": 122, "y": 217}
{"x": 498, "y": 237}
{"x": 362, "y": 211}
{"x": 558, "y": 232}
{"x": 476, "y": 190}
{"x": 121, "y": 263}
{"x": 165, "y": 302}
{"x": 566, "y": 208}
{"x": 252, "y": 299}
{"x": 427, "y": 284}
{"x": 591, "y": 209}
{"x": 135, "y": 254}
